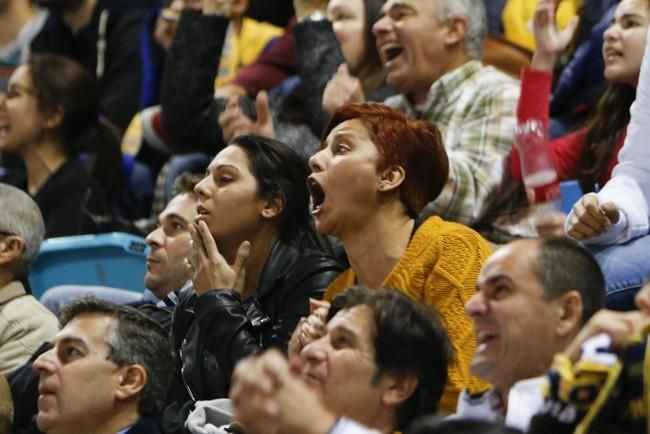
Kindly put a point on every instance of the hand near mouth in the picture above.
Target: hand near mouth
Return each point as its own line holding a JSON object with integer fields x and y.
{"x": 210, "y": 271}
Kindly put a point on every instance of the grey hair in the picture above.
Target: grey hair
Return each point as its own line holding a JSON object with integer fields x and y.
{"x": 133, "y": 339}
{"x": 19, "y": 215}
{"x": 474, "y": 12}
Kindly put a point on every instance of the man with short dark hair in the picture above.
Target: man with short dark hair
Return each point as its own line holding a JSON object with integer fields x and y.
{"x": 533, "y": 298}
{"x": 382, "y": 362}
{"x": 108, "y": 372}
{"x": 169, "y": 245}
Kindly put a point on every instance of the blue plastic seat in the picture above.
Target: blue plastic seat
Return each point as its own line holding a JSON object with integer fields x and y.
{"x": 571, "y": 193}
{"x": 115, "y": 259}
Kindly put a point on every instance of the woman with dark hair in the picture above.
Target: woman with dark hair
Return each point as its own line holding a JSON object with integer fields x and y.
{"x": 589, "y": 154}
{"x": 374, "y": 174}
{"x": 49, "y": 115}
{"x": 255, "y": 264}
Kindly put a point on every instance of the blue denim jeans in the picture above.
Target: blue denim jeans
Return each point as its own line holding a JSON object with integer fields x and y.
{"x": 625, "y": 267}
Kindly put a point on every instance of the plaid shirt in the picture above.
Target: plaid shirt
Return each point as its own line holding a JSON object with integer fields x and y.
{"x": 474, "y": 106}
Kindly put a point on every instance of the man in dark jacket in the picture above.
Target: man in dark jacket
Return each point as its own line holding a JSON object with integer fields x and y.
{"x": 107, "y": 373}
{"x": 103, "y": 35}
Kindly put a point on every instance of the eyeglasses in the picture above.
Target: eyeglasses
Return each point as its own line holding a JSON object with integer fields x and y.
{"x": 14, "y": 90}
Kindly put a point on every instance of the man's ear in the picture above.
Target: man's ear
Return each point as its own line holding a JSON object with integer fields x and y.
{"x": 456, "y": 31}
{"x": 132, "y": 380}
{"x": 273, "y": 206}
{"x": 11, "y": 247}
{"x": 398, "y": 387}
{"x": 391, "y": 178}
{"x": 569, "y": 313}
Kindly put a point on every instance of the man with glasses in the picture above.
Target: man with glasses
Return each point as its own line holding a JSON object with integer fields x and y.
{"x": 24, "y": 323}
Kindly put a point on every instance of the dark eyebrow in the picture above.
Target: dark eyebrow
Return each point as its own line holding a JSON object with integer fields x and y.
{"x": 174, "y": 216}
{"x": 211, "y": 168}
{"x": 494, "y": 280}
{"x": 342, "y": 328}
{"x": 339, "y": 135}
{"x": 227, "y": 166}
{"x": 67, "y": 340}
{"x": 627, "y": 16}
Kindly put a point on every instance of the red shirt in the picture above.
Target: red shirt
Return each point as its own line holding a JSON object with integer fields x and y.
{"x": 567, "y": 150}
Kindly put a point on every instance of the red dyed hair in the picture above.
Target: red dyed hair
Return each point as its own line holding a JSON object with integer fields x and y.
{"x": 415, "y": 145}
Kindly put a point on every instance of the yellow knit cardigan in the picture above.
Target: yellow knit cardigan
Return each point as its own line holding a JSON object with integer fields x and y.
{"x": 440, "y": 268}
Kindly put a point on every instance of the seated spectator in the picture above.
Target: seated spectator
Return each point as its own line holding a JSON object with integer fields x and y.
{"x": 599, "y": 383}
{"x": 589, "y": 154}
{"x": 104, "y": 36}
{"x": 619, "y": 212}
{"x": 24, "y": 323}
{"x": 429, "y": 49}
{"x": 374, "y": 175}
{"x": 166, "y": 274}
{"x": 20, "y": 22}
{"x": 48, "y": 116}
{"x": 254, "y": 265}
{"x": 533, "y": 297}
{"x": 107, "y": 373}
{"x": 353, "y": 372}
{"x": 166, "y": 271}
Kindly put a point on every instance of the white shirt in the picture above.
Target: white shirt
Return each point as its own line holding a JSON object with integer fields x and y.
{"x": 629, "y": 187}
{"x": 524, "y": 399}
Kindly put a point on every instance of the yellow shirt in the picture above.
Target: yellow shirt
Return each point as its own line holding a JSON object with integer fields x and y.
{"x": 440, "y": 268}
{"x": 242, "y": 49}
{"x": 517, "y": 19}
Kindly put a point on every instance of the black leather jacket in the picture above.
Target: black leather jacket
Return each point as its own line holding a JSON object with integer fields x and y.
{"x": 214, "y": 331}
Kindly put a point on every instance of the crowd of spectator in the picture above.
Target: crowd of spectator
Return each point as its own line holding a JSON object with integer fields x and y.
{"x": 342, "y": 234}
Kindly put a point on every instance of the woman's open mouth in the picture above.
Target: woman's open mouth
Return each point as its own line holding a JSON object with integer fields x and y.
{"x": 317, "y": 195}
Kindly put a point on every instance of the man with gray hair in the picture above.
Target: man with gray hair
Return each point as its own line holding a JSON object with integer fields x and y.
{"x": 24, "y": 323}
{"x": 108, "y": 372}
{"x": 431, "y": 52}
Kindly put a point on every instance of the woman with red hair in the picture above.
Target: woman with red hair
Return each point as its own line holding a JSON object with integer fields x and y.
{"x": 374, "y": 174}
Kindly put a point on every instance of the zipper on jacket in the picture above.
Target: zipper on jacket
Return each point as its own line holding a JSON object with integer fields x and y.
{"x": 187, "y": 386}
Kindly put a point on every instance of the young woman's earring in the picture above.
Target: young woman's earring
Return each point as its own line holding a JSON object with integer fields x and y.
{"x": 381, "y": 185}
